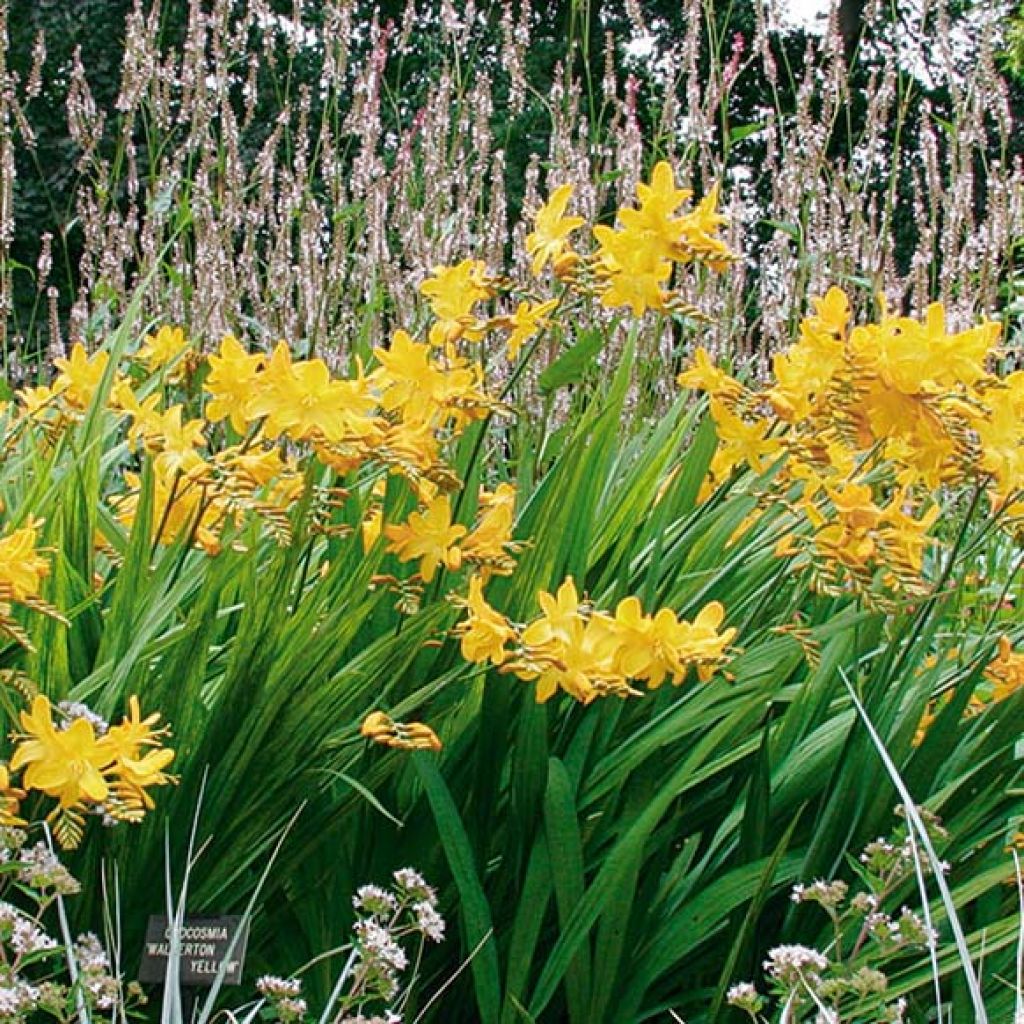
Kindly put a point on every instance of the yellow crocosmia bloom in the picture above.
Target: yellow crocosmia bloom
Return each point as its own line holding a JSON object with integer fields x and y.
{"x": 492, "y": 535}
{"x": 127, "y": 739}
{"x": 633, "y": 269}
{"x": 831, "y": 313}
{"x": 381, "y": 728}
{"x": 580, "y": 660}
{"x": 409, "y": 379}
{"x": 1006, "y": 671}
{"x": 134, "y": 776}
{"x": 705, "y": 641}
{"x": 560, "y": 612}
{"x": 905, "y": 538}
{"x": 703, "y": 375}
{"x": 653, "y": 647}
{"x": 1001, "y": 436}
{"x": 424, "y": 391}
{"x": 182, "y": 505}
{"x": 410, "y": 443}
{"x": 22, "y": 567}
{"x": 453, "y": 292}
{"x": 958, "y": 358}
{"x": 146, "y": 417}
{"x": 176, "y": 442}
{"x": 231, "y": 381}
{"x": 485, "y": 632}
{"x": 36, "y": 401}
{"x": 855, "y": 506}
{"x": 64, "y": 763}
{"x": 549, "y": 239}
{"x": 524, "y": 323}
{"x": 258, "y": 466}
{"x": 302, "y": 401}
{"x": 162, "y": 348}
{"x": 80, "y": 375}
{"x": 658, "y": 203}
{"x": 742, "y": 441}
{"x": 429, "y": 536}
{"x": 10, "y": 800}
{"x": 699, "y": 234}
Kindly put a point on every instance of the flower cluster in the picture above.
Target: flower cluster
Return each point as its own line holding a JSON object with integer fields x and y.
{"x": 867, "y": 426}
{"x": 632, "y": 264}
{"x": 369, "y": 989}
{"x": 588, "y": 653}
{"x": 31, "y": 977}
{"x": 86, "y": 765}
{"x": 844, "y": 983}
{"x": 381, "y": 728}
{"x": 1003, "y": 677}
{"x": 23, "y": 567}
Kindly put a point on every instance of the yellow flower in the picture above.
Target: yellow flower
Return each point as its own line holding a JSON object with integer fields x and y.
{"x": 651, "y": 648}
{"x": 231, "y": 382}
{"x": 22, "y": 568}
{"x": 699, "y": 240}
{"x": 1005, "y": 671}
{"x": 485, "y": 631}
{"x": 301, "y": 400}
{"x": 135, "y": 732}
{"x": 658, "y": 202}
{"x": 633, "y": 269}
{"x": 429, "y": 536}
{"x": 705, "y": 376}
{"x": 549, "y": 238}
{"x": 38, "y": 400}
{"x": 381, "y": 728}
{"x": 66, "y": 763}
{"x": 134, "y": 776}
{"x": 491, "y": 540}
{"x": 80, "y": 375}
{"x": 452, "y": 292}
{"x": 163, "y": 347}
{"x": 741, "y": 441}
{"x": 10, "y": 800}
{"x": 524, "y": 323}
{"x": 182, "y": 506}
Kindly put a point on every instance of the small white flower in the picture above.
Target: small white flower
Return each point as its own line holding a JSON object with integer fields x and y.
{"x": 429, "y": 921}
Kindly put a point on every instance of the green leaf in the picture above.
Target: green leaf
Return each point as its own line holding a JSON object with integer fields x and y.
{"x": 571, "y": 365}
{"x": 473, "y": 907}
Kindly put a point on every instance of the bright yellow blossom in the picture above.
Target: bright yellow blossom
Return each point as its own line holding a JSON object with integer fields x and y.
{"x": 231, "y": 381}
{"x": 80, "y": 375}
{"x": 22, "y": 567}
{"x": 485, "y": 632}
{"x": 162, "y": 348}
{"x": 65, "y": 763}
{"x": 429, "y": 536}
{"x": 453, "y": 292}
{"x": 549, "y": 238}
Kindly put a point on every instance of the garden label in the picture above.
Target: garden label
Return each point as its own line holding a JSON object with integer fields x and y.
{"x": 206, "y": 943}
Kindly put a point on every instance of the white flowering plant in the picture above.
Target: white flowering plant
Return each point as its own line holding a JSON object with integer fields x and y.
{"x": 844, "y": 983}
{"x": 41, "y": 975}
{"x": 371, "y": 988}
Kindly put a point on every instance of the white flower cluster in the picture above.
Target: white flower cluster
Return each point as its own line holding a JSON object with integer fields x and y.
{"x": 72, "y": 709}
{"x": 372, "y": 899}
{"x": 285, "y": 995}
{"x": 793, "y": 964}
{"x": 102, "y": 988}
{"x": 40, "y": 869}
{"x": 17, "y": 999}
{"x": 21, "y": 933}
{"x": 828, "y": 894}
